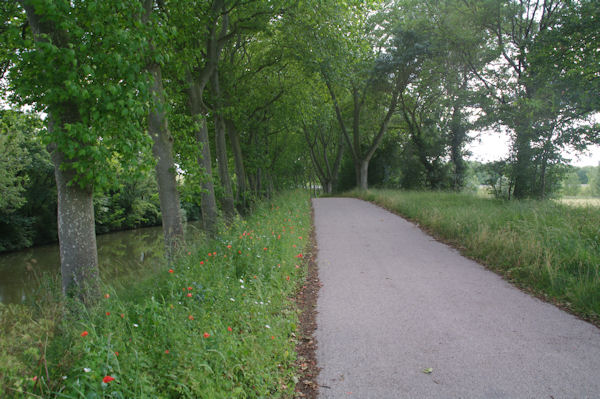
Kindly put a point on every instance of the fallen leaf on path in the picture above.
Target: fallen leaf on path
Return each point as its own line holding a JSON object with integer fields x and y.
{"x": 428, "y": 370}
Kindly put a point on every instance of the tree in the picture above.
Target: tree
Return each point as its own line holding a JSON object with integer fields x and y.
{"x": 79, "y": 65}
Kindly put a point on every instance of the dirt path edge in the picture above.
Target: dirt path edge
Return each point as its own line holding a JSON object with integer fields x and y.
{"x": 306, "y": 300}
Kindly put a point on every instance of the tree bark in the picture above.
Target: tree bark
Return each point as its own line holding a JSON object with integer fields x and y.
{"x": 208, "y": 203}
{"x": 222, "y": 159}
{"x": 162, "y": 149}
{"x": 76, "y": 233}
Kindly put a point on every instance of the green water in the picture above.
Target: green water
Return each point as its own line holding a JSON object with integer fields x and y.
{"x": 119, "y": 253}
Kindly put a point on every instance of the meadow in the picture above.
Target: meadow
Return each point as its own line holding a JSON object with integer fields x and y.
{"x": 548, "y": 248}
{"x": 220, "y": 321}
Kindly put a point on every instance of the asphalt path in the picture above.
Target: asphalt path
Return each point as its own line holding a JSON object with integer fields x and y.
{"x": 395, "y": 302}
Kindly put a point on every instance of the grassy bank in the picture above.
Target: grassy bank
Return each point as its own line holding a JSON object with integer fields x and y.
{"x": 547, "y": 247}
{"x": 219, "y": 322}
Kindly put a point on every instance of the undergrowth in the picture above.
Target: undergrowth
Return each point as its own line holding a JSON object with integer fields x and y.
{"x": 219, "y": 322}
{"x": 549, "y": 248}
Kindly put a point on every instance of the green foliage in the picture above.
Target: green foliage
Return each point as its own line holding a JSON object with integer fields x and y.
{"x": 86, "y": 69}
{"x": 224, "y": 315}
{"x": 545, "y": 246}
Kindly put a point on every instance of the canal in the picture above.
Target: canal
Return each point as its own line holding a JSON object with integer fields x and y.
{"x": 119, "y": 254}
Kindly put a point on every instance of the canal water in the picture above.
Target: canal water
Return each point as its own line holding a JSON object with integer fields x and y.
{"x": 119, "y": 253}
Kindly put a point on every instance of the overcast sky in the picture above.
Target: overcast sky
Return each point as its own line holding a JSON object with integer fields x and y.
{"x": 493, "y": 146}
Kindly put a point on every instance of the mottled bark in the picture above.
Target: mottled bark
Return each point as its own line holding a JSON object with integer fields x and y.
{"x": 76, "y": 233}
{"x": 162, "y": 149}
{"x": 227, "y": 201}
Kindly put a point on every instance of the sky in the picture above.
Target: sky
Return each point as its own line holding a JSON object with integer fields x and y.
{"x": 493, "y": 146}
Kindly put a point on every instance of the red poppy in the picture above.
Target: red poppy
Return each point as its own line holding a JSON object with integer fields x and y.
{"x": 272, "y": 337}
{"x": 189, "y": 288}
{"x": 278, "y": 236}
{"x": 265, "y": 248}
{"x": 229, "y": 246}
{"x": 214, "y": 253}
{"x": 171, "y": 271}
{"x": 287, "y": 278}
{"x": 299, "y": 256}
{"x": 300, "y": 237}
{"x": 206, "y": 335}
{"x": 83, "y": 334}
{"x": 122, "y": 315}
{"x": 108, "y": 379}
{"x": 106, "y": 296}
{"x": 189, "y": 294}
{"x": 239, "y": 252}
{"x": 108, "y": 313}
{"x": 201, "y": 262}
{"x": 166, "y": 351}
{"x": 209, "y": 254}
{"x": 189, "y": 253}
{"x": 229, "y": 329}
{"x": 191, "y": 317}
{"x": 294, "y": 246}
{"x": 116, "y": 353}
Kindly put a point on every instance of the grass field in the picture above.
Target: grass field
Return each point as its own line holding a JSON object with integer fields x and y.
{"x": 219, "y": 322}
{"x": 546, "y": 247}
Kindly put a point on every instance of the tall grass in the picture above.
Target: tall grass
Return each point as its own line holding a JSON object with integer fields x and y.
{"x": 548, "y": 247}
{"x": 219, "y": 322}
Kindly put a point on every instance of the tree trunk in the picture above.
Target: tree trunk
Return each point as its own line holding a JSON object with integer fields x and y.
{"x": 222, "y": 159}
{"x": 240, "y": 172}
{"x": 76, "y": 235}
{"x": 522, "y": 167}
{"x": 75, "y": 213}
{"x": 209, "y": 203}
{"x": 364, "y": 175}
{"x": 162, "y": 150}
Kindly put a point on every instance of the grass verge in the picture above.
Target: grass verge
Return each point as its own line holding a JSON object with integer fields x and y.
{"x": 219, "y": 322}
{"x": 547, "y": 248}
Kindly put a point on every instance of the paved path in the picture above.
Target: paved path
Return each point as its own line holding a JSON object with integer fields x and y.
{"x": 394, "y": 301}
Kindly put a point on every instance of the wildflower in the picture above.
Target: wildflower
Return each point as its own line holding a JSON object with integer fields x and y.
{"x": 116, "y": 353}
{"x": 294, "y": 246}
{"x": 189, "y": 253}
{"x": 254, "y": 277}
{"x": 278, "y": 236}
{"x": 287, "y": 278}
{"x": 201, "y": 262}
{"x": 171, "y": 271}
{"x": 239, "y": 252}
{"x": 232, "y": 300}
{"x": 85, "y": 333}
{"x": 229, "y": 329}
{"x": 166, "y": 351}
{"x": 299, "y": 256}
{"x": 267, "y": 326}
{"x": 106, "y": 296}
{"x": 300, "y": 237}
{"x": 87, "y": 370}
{"x": 34, "y": 378}
{"x": 272, "y": 337}
{"x": 242, "y": 281}
{"x": 214, "y": 253}
{"x": 108, "y": 379}
{"x": 191, "y": 317}
{"x": 206, "y": 335}
{"x": 229, "y": 246}
{"x": 135, "y": 325}
{"x": 190, "y": 288}
{"x": 189, "y": 295}
{"x": 242, "y": 286}
{"x": 64, "y": 377}
{"x": 209, "y": 254}
{"x": 108, "y": 313}
{"x": 122, "y": 315}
